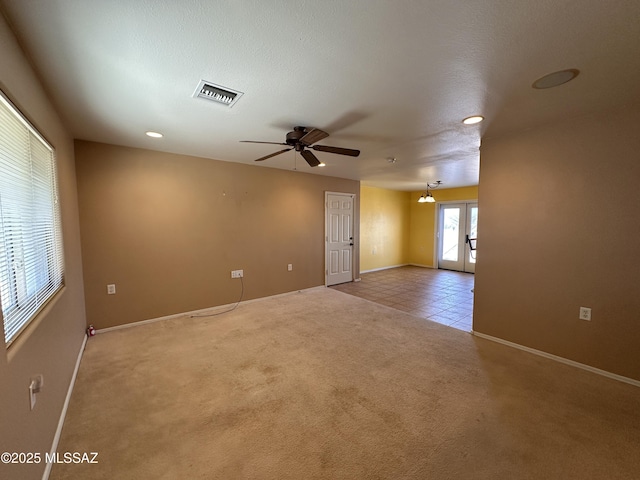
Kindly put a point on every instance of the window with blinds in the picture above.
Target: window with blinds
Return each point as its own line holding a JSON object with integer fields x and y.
{"x": 31, "y": 259}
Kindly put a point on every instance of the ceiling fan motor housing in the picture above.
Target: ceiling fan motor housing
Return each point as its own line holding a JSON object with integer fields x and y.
{"x": 293, "y": 138}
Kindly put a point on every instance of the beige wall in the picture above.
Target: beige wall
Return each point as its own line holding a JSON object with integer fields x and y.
{"x": 168, "y": 229}
{"x": 384, "y": 228}
{"x": 560, "y": 229}
{"x": 50, "y": 345}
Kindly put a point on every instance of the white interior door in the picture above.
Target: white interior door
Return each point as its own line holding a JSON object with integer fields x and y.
{"x": 457, "y": 234}
{"x": 339, "y": 238}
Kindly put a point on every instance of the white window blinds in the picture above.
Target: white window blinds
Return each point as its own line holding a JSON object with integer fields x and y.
{"x": 31, "y": 259}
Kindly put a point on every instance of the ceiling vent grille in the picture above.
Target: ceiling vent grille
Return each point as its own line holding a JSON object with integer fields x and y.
{"x": 217, "y": 93}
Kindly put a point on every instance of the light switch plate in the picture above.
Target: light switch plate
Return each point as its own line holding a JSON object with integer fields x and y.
{"x": 35, "y": 385}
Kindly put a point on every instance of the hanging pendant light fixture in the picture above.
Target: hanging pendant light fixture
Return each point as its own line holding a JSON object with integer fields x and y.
{"x": 427, "y": 197}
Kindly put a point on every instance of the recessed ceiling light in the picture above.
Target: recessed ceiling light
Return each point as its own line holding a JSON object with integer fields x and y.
{"x": 472, "y": 120}
{"x": 154, "y": 134}
{"x": 556, "y": 78}
{"x": 322, "y": 164}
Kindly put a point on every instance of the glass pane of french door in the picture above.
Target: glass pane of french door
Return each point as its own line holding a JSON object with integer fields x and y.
{"x": 450, "y": 233}
{"x": 472, "y": 235}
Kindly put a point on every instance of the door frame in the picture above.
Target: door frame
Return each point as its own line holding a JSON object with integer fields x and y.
{"x": 436, "y": 226}
{"x": 355, "y": 228}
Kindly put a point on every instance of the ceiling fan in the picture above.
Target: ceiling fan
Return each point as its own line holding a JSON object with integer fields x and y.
{"x": 302, "y": 138}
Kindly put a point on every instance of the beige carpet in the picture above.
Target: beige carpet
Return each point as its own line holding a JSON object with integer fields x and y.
{"x": 323, "y": 385}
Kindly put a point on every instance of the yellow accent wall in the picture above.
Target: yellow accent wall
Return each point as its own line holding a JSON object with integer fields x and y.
{"x": 423, "y": 218}
{"x": 454, "y": 194}
{"x": 421, "y": 231}
{"x": 396, "y": 230}
{"x": 384, "y": 228}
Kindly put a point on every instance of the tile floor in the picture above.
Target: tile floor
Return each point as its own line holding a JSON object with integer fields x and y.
{"x": 442, "y": 296}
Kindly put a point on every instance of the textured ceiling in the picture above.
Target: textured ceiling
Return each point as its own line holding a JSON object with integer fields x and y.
{"x": 393, "y": 79}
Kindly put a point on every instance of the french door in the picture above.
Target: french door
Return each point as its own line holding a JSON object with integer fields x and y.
{"x": 457, "y": 234}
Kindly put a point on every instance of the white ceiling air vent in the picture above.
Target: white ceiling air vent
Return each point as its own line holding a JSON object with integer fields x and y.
{"x": 217, "y": 93}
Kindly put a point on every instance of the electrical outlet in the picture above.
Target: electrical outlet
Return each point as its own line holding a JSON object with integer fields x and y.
{"x": 585, "y": 313}
{"x": 290, "y": 267}
{"x": 111, "y": 289}
{"x": 237, "y": 273}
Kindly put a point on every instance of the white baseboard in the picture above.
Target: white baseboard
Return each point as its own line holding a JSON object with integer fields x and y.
{"x": 202, "y": 311}
{"x": 566, "y": 361}
{"x": 63, "y": 413}
{"x": 396, "y": 266}
{"x": 384, "y": 268}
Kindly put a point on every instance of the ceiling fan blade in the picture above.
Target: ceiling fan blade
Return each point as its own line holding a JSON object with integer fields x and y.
{"x": 312, "y": 136}
{"x": 336, "y": 150}
{"x": 270, "y": 143}
{"x": 311, "y": 159}
{"x": 272, "y": 155}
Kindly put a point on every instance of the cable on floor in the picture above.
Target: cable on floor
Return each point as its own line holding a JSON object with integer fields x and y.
{"x": 225, "y": 311}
